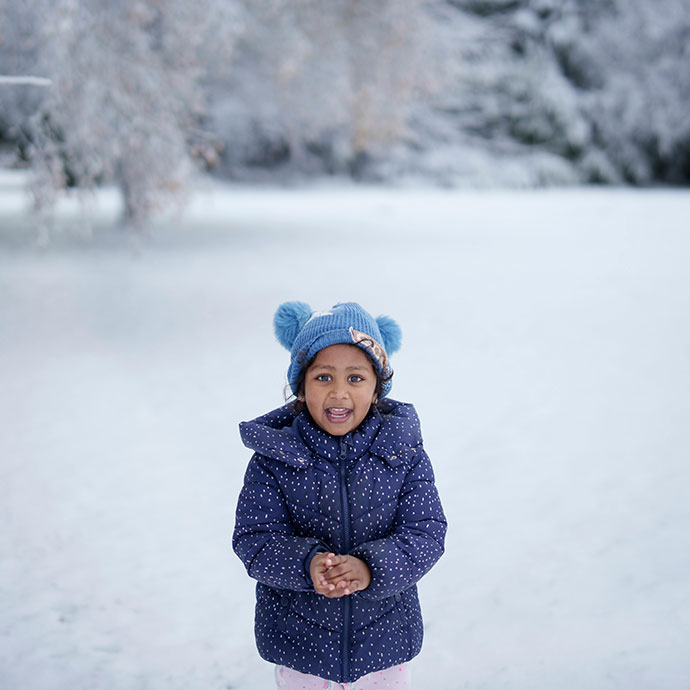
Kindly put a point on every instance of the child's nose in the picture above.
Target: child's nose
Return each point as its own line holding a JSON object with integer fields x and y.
{"x": 338, "y": 390}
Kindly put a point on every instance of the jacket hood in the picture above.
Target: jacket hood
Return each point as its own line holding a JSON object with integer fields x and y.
{"x": 390, "y": 431}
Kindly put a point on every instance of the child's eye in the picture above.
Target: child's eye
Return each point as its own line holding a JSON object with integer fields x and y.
{"x": 355, "y": 378}
{"x": 323, "y": 377}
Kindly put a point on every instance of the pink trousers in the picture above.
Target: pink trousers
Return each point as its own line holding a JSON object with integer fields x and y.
{"x": 394, "y": 678}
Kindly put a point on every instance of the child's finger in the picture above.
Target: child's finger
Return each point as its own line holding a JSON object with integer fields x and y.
{"x": 331, "y": 575}
{"x": 335, "y": 592}
{"x": 338, "y": 572}
{"x": 340, "y": 585}
{"x": 328, "y": 589}
{"x": 324, "y": 558}
{"x": 353, "y": 587}
{"x": 332, "y": 560}
{"x": 340, "y": 588}
{"x": 319, "y": 562}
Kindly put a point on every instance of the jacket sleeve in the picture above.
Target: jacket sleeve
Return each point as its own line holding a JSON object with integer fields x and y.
{"x": 416, "y": 542}
{"x": 264, "y": 537}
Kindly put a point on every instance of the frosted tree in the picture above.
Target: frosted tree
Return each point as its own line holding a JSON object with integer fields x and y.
{"x": 573, "y": 90}
{"x": 510, "y": 94}
{"x": 331, "y": 80}
{"x": 18, "y": 76}
{"x": 127, "y": 98}
{"x": 601, "y": 86}
{"x": 640, "y": 100}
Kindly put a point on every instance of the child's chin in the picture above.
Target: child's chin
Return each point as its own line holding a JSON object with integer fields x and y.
{"x": 339, "y": 427}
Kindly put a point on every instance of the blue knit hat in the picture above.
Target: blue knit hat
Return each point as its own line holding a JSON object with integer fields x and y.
{"x": 304, "y": 332}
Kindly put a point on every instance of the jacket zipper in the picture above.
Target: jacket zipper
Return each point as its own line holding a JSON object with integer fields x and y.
{"x": 347, "y": 602}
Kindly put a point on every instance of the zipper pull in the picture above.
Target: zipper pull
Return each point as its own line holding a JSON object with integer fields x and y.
{"x": 343, "y": 448}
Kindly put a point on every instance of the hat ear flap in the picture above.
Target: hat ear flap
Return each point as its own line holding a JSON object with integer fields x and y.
{"x": 289, "y": 320}
{"x": 391, "y": 334}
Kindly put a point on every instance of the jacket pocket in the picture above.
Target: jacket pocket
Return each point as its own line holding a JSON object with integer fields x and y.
{"x": 283, "y": 609}
{"x": 405, "y": 629}
{"x": 400, "y": 610}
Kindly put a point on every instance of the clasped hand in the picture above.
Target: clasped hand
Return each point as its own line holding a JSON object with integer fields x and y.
{"x": 336, "y": 576}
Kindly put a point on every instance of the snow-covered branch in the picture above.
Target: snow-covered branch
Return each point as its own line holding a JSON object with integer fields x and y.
{"x": 24, "y": 80}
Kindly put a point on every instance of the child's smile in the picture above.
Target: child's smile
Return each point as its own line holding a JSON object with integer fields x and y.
{"x": 338, "y": 415}
{"x": 339, "y": 388}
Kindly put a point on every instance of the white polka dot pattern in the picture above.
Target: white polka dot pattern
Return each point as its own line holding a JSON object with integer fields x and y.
{"x": 291, "y": 507}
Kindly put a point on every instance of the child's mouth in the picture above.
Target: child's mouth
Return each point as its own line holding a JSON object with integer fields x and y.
{"x": 338, "y": 414}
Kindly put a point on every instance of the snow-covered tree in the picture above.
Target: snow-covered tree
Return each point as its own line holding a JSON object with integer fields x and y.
{"x": 639, "y": 105}
{"x": 605, "y": 86}
{"x": 127, "y": 99}
{"x": 325, "y": 81}
{"x": 517, "y": 91}
{"x": 18, "y": 56}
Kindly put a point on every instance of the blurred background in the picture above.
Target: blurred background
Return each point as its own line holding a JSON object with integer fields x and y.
{"x": 508, "y": 179}
{"x": 453, "y": 92}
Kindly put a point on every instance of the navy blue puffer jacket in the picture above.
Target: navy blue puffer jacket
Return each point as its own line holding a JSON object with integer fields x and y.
{"x": 371, "y": 494}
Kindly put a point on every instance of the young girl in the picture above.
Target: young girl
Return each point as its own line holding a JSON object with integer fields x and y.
{"x": 339, "y": 516}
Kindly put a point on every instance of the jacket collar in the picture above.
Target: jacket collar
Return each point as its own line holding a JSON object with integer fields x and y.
{"x": 272, "y": 435}
{"x": 327, "y": 446}
{"x": 390, "y": 432}
{"x": 400, "y": 433}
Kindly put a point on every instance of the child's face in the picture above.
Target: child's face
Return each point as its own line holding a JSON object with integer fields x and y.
{"x": 339, "y": 388}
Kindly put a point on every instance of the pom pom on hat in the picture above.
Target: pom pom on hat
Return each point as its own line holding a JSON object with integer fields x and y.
{"x": 289, "y": 320}
{"x": 390, "y": 333}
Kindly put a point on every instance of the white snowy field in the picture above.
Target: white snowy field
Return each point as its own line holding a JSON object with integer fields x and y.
{"x": 546, "y": 346}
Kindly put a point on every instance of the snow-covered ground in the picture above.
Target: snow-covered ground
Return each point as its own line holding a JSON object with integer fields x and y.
{"x": 546, "y": 346}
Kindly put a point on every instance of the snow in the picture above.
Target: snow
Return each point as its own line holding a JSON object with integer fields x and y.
{"x": 546, "y": 346}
